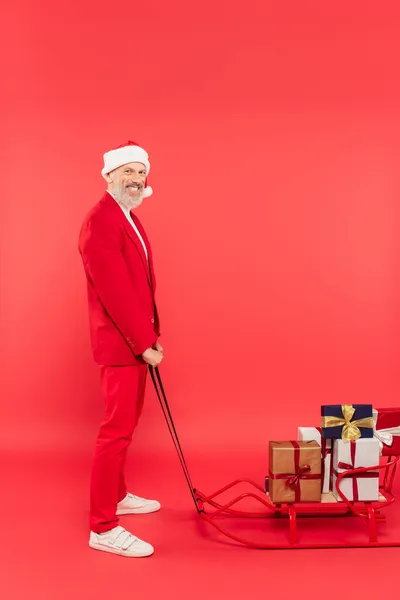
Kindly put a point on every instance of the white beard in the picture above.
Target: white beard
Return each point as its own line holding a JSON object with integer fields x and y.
{"x": 127, "y": 201}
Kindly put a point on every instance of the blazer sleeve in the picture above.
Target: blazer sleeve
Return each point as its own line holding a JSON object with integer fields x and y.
{"x": 100, "y": 245}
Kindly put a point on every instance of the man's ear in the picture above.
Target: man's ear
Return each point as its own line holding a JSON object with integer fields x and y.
{"x": 109, "y": 178}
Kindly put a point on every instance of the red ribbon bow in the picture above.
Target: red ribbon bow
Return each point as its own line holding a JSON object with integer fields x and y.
{"x": 345, "y": 466}
{"x": 294, "y": 481}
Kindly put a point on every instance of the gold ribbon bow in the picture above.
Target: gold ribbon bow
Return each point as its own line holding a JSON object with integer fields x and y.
{"x": 350, "y": 428}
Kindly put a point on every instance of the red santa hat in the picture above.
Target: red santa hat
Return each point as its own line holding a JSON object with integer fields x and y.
{"x": 124, "y": 154}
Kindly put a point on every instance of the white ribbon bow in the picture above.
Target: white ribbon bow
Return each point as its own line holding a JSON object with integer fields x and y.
{"x": 385, "y": 436}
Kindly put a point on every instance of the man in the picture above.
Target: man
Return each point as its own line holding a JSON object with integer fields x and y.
{"x": 124, "y": 329}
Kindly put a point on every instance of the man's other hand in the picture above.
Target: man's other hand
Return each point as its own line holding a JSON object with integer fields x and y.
{"x": 152, "y": 357}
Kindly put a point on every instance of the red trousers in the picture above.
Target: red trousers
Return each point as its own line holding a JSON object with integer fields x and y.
{"x": 123, "y": 389}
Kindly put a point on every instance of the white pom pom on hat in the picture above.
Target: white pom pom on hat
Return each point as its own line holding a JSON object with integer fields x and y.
{"x": 124, "y": 154}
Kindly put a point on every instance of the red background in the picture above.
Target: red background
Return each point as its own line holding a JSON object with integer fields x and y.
{"x": 273, "y": 133}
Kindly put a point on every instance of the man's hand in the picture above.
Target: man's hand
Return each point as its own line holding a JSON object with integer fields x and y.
{"x": 152, "y": 357}
{"x": 159, "y": 347}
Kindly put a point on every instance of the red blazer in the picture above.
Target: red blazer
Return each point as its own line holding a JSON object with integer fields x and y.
{"x": 121, "y": 285}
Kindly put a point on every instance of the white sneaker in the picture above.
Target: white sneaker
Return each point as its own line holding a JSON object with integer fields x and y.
{"x": 134, "y": 505}
{"x": 119, "y": 541}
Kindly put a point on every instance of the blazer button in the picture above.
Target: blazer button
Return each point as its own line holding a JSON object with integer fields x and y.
{"x": 152, "y": 319}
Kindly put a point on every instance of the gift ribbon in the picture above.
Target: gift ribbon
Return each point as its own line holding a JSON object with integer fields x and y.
{"x": 354, "y": 476}
{"x": 351, "y": 429}
{"x": 300, "y": 472}
{"x": 294, "y": 481}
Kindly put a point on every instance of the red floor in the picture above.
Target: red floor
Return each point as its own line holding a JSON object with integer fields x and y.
{"x": 44, "y": 498}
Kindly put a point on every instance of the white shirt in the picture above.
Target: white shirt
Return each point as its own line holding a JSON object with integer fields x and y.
{"x": 127, "y": 213}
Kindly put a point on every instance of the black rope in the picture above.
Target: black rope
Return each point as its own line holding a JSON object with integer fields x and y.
{"x": 172, "y": 430}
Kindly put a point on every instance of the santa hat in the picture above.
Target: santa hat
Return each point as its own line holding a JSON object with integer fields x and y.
{"x": 124, "y": 154}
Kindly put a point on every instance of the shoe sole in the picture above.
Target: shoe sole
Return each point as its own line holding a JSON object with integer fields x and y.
{"x": 137, "y": 511}
{"x": 118, "y": 552}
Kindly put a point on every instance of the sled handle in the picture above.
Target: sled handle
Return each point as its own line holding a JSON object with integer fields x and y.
{"x": 158, "y": 385}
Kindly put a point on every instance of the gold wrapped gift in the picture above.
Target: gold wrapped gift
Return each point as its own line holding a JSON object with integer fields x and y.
{"x": 295, "y": 471}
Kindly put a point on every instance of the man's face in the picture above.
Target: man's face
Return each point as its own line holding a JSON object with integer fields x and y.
{"x": 127, "y": 184}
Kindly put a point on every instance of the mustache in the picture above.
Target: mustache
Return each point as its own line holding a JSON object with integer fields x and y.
{"x": 134, "y": 183}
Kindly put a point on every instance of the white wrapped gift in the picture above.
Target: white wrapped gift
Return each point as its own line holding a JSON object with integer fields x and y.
{"x": 352, "y": 455}
{"x": 308, "y": 434}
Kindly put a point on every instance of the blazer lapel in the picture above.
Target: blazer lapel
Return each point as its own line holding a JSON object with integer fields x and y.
{"x": 133, "y": 235}
{"x": 135, "y": 239}
{"x": 149, "y": 263}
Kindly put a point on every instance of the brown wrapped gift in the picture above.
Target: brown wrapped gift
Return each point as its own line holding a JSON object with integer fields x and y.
{"x": 295, "y": 472}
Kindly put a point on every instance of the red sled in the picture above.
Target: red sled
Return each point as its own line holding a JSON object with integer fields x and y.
{"x": 215, "y": 511}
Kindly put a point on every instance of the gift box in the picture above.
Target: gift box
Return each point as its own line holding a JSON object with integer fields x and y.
{"x": 352, "y": 455}
{"x": 294, "y": 471}
{"x": 314, "y": 433}
{"x": 347, "y": 421}
{"x": 387, "y": 430}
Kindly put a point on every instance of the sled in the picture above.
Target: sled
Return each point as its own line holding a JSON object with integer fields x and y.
{"x": 215, "y": 511}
